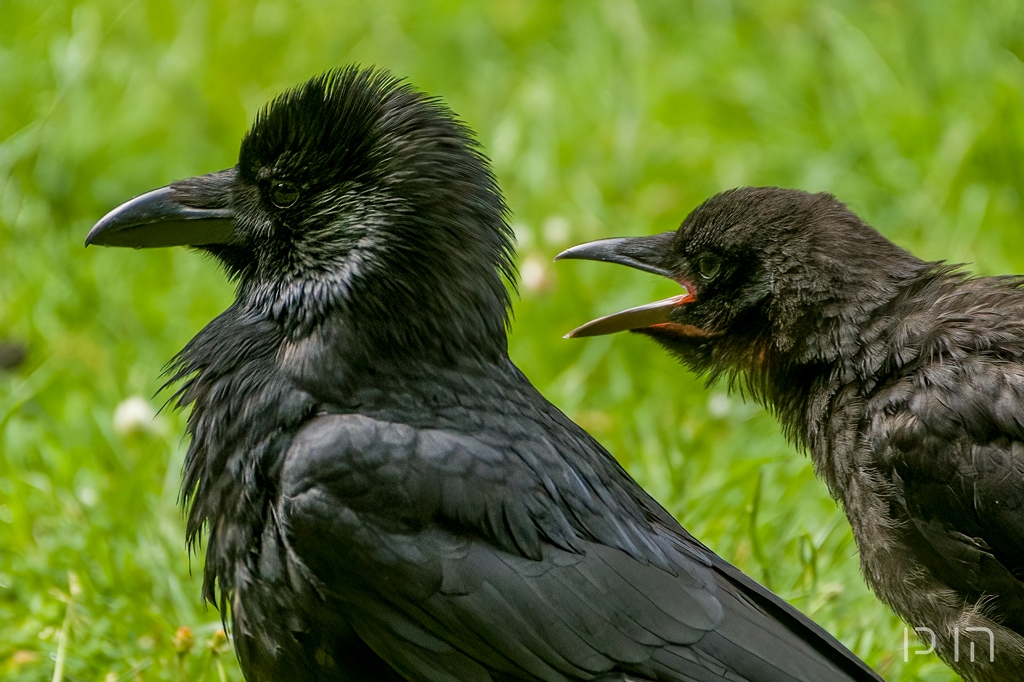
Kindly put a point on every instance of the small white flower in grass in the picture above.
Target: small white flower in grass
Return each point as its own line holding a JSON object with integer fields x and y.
{"x": 534, "y": 274}
{"x": 556, "y": 230}
{"x": 719, "y": 405}
{"x": 87, "y": 495}
{"x": 135, "y": 415}
{"x": 524, "y": 235}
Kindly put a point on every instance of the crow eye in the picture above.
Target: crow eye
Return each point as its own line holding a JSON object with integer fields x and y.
{"x": 708, "y": 265}
{"x": 283, "y": 193}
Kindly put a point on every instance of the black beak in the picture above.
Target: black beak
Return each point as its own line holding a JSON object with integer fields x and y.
{"x": 642, "y": 253}
{"x": 192, "y": 212}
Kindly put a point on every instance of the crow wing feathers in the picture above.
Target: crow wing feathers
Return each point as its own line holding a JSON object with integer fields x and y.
{"x": 958, "y": 450}
{"x": 479, "y": 554}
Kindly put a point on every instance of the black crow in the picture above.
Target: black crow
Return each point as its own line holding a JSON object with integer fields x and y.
{"x": 904, "y": 378}
{"x": 386, "y": 496}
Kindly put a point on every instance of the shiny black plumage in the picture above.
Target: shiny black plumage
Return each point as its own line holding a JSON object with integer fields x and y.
{"x": 904, "y": 378}
{"x": 385, "y": 495}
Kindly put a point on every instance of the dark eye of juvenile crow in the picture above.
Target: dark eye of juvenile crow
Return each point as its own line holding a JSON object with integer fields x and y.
{"x": 708, "y": 264}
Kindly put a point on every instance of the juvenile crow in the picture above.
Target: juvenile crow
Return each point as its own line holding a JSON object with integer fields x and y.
{"x": 904, "y": 379}
{"x": 386, "y": 495}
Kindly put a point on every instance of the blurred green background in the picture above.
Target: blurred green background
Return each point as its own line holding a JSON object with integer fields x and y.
{"x": 602, "y": 118}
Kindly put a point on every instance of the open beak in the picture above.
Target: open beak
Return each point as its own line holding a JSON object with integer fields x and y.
{"x": 193, "y": 212}
{"x": 642, "y": 253}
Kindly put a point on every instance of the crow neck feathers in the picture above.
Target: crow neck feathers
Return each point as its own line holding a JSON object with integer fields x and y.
{"x": 846, "y": 281}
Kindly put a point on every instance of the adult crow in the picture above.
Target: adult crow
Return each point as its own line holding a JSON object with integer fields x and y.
{"x": 904, "y": 378}
{"x": 386, "y": 495}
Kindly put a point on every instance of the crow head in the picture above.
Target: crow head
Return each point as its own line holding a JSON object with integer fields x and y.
{"x": 358, "y": 201}
{"x": 770, "y": 275}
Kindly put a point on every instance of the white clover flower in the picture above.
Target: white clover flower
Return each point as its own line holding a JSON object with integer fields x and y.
{"x": 534, "y": 274}
{"x": 556, "y": 230}
{"x": 719, "y": 405}
{"x": 135, "y": 415}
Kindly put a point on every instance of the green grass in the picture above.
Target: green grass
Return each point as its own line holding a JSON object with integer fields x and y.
{"x": 602, "y": 118}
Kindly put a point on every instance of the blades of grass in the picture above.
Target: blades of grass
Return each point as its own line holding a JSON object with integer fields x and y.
{"x": 755, "y": 537}
{"x": 74, "y": 590}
